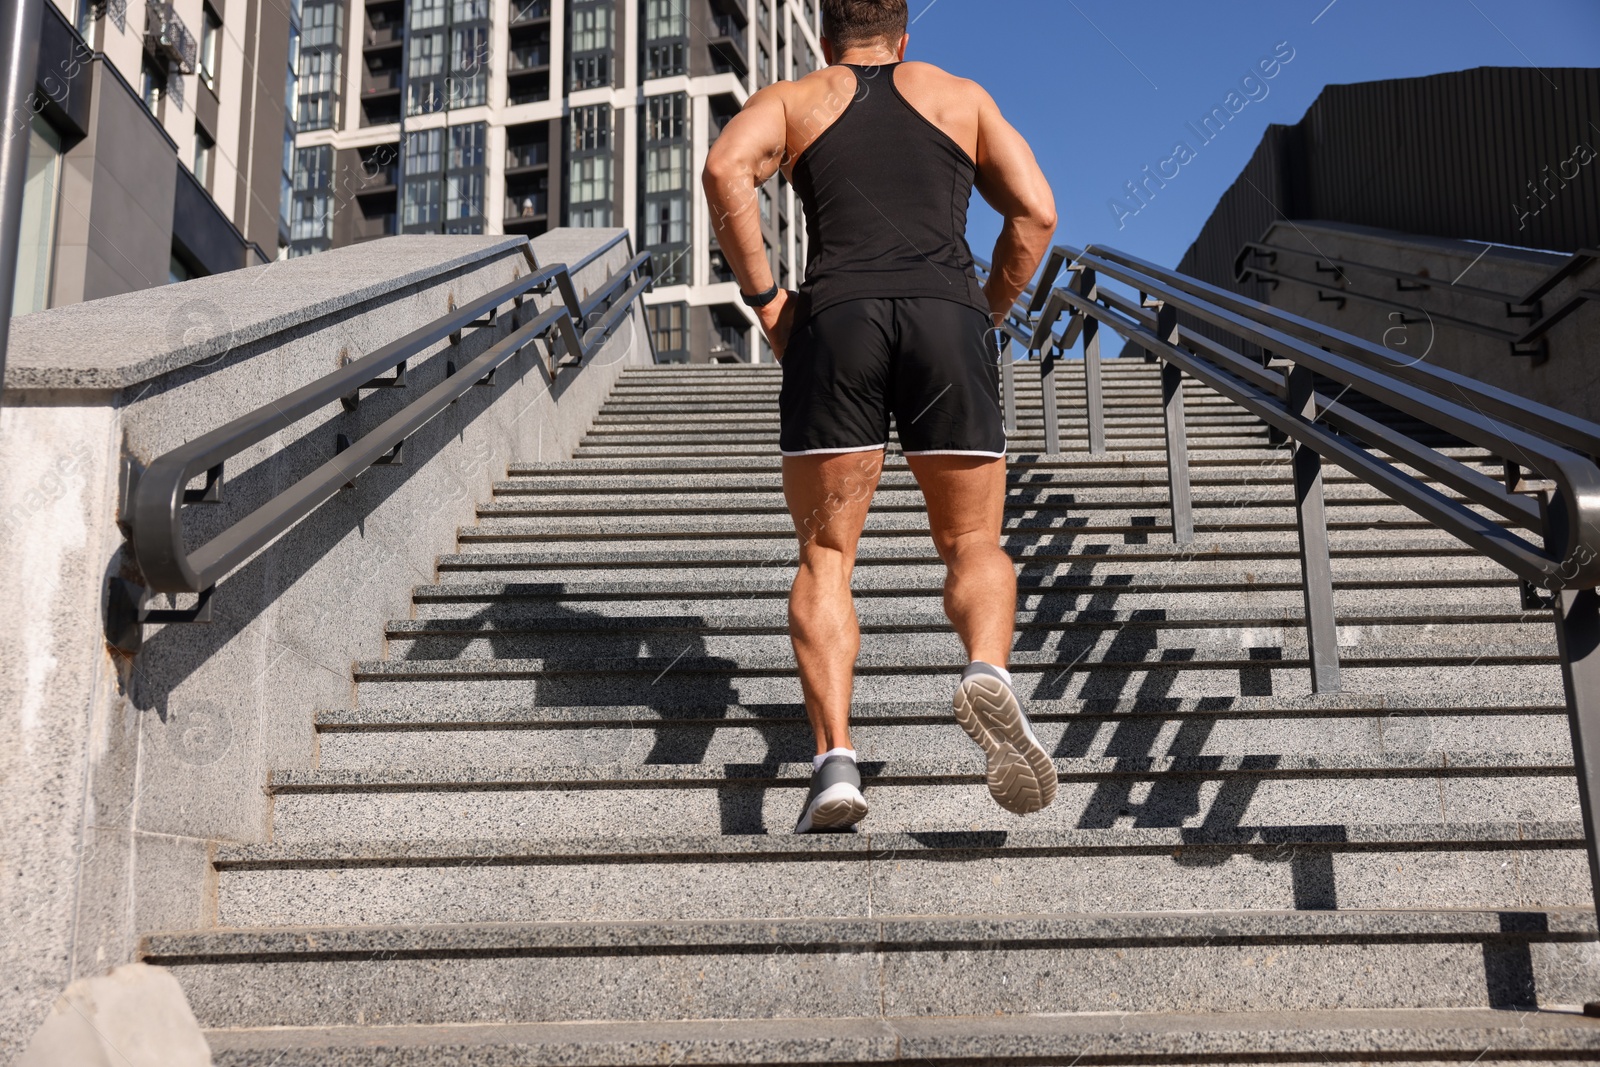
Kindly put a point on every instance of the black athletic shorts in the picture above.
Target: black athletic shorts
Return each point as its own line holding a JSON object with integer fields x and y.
{"x": 932, "y": 364}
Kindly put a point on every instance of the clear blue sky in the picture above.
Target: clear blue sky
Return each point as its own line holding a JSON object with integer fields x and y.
{"x": 1103, "y": 87}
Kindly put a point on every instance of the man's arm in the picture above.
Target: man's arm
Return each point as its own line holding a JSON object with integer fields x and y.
{"x": 745, "y": 156}
{"x": 1010, "y": 180}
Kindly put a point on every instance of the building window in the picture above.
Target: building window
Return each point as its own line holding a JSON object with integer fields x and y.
{"x": 152, "y": 83}
{"x": 464, "y": 179}
{"x": 666, "y": 36}
{"x": 591, "y": 180}
{"x": 590, "y": 173}
{"x": 204, "y": 152}
{"x": 592, "y": 37}
{"x": 664, "y": 156}
{"x": 36, "y": 239}
{"x": 210, "y": 41}
{"x": 669, "y": 332}
{"x": 763, "y": 63}
{"x": 422, "y": 182}
{"x": 317, "y": 73}
{"x": 311, "y": 209}
{"x": 469, "y": 66}
{"x": 447, "y": 54}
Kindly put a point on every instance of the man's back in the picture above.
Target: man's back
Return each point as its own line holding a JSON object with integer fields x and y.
{"x": 885, "y": 188}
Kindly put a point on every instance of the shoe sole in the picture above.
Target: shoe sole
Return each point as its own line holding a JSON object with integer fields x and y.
{"x": 838, "y": 806}
{"x": 1021, "y": 775}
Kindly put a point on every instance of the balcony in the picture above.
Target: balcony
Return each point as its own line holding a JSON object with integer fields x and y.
{"x": 530, "y": 90}
{"x": 380, "y": 83}
{"x": 377, "y": 179}
{"x": 386, "y": 35}
{"x": 167, "y": 37}
{"x": 529, "y": 58}
{"x": 727, "y": 46}
{"x": 527, "y": 207}
{"x": 527, "y": 156}
{"x": 525, "y": 11}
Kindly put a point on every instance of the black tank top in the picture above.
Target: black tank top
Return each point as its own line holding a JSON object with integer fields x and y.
{"x": 885, "y": 193}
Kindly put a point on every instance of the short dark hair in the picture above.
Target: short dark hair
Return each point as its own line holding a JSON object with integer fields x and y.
{"x": 847, "y": 22}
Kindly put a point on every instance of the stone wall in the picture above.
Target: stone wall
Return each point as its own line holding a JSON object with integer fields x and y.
{"x": 116, "y": 772}
{"x": 1569, "y": 379}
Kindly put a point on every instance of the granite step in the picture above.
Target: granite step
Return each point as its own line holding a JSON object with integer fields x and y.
{"x": 740, "y": 484}
{"x": 1141, "y": 520}
{"x": 854, "y": 876}
{"x": 1042, "y": 500}
{"x": 1032, "y": 463}
{"x": 421, "y": 738}
{"x": 1422, "y": 1038}
{"x": 449, "y": 803}
{"x": 888, "y": 614}
{"x": 893, "y": 966}
{"x": 1410, "y": 546}
{"x": 1533, "y": 676}
{"x": 911, "y": 641}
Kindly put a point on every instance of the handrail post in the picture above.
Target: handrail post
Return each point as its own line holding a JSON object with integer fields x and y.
{"x": 1008, "y": 387}
{"x": 1052, "y": 410}
{"x": 1177, "y": 433}
{"x": 1316, "y": 568}
{"x": 1094, "y": 394}
{"x": 1578, "y": 638}
{"x": 19, "y": 46}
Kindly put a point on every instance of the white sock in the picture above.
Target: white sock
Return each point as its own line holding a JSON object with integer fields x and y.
{"x": 816, "y": 761}
{"x": 1004, "y": 674}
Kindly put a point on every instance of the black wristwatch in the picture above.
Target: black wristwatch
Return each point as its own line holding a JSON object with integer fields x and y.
{"x": 761, "y": 300}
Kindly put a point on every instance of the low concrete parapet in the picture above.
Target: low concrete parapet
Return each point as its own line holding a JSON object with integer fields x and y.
{"x": 118, "y": 773}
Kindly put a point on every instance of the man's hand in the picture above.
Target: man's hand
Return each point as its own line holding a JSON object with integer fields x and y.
{"x": 777, "y": 319}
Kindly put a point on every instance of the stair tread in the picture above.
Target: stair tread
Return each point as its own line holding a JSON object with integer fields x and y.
{"x": 922, "y": 1039}
{"x": 966, "y": 766}
{"x": 890, "y": 932}
{"x": 1443, "y": 703}
{"x": 886, "y": 844}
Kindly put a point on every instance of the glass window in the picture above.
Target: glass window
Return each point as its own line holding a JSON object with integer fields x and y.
{"x": 152, "y": 83}
{"x": 591, "y": 26}
{"x": 668, "y": 330}
{"x": 591, "y": 128}
{"x": 591, "y": 179}
{"x": 210, "y": 40}
{"x": 592, "y": 43}
{"x": 204, "y": 150}
{"x": 36, "y": 239}
{"x": 666, "y": 39}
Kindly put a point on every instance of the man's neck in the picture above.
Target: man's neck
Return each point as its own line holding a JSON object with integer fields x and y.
{"x": 868, "y": 57}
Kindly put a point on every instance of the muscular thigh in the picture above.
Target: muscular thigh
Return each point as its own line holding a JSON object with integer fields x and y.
{"x": 829, "y": 497}
{"x": 966, "y": 497}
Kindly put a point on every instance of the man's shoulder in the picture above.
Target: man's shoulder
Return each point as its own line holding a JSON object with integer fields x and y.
{"x": 935, "y": 76}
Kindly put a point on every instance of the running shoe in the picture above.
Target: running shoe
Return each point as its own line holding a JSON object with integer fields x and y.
{"x": 1022, "y": 777}
{"x": 835, "y": 802}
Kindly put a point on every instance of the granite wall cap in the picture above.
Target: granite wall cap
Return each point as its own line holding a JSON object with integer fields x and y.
{"x": 119, "y": 341}
{"x": 136, "y": 1016}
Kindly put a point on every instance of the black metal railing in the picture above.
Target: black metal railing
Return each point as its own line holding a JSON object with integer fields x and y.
{"x": 571, "y": 329}
{"x": 1258, "y": 260}
{"x": 1541, "y": 521}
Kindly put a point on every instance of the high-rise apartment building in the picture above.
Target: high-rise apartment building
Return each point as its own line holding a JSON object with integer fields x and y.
{"x": 516, "y": 116}
{"x": 156, "y": 145}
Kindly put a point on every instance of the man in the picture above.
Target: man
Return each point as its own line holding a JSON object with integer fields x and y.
{"x": 890, "y": 320}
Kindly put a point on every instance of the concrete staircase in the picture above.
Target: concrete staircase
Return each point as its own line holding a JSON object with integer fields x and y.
{"x": 554, "y": 826}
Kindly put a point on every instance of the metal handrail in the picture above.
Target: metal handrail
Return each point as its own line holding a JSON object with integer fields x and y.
{"x": 158, "y": 498}
{"x": 1569, "y": 555}
{"x": 1286, "y": 392}
{"x": 1527, "y": 306}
